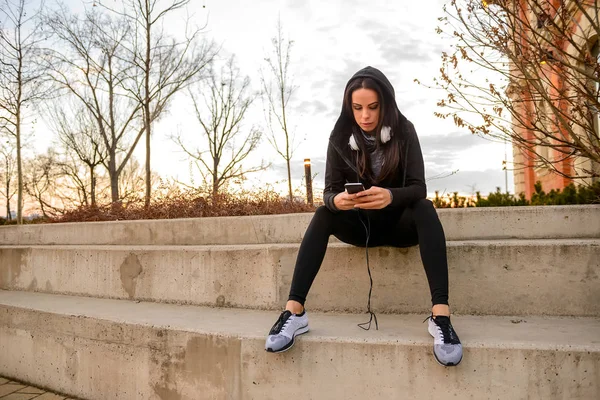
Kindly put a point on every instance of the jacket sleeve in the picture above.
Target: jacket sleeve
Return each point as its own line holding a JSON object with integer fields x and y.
{"x": 334, "y": 178}
{"x": 414, "y": 187}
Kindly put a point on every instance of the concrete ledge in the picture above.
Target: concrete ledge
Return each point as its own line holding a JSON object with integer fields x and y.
{"x": 459, "y": 224}
{"x": 108, "y": 349}
{"x": 504, "y": 277}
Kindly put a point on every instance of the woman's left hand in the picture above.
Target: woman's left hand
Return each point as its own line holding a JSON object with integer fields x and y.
{"x": 374, "y": 198}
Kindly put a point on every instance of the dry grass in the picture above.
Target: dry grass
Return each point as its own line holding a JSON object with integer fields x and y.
{"x": 190, "y": 204}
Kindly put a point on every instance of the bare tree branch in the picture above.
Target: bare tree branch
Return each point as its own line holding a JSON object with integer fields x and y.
{"x": 162, "y": 65}
{"x": 22, "y": 83}
{"x": 226, "y": 101}
{"x": 77, "y": 131}
{"x": 277, "y": 87}
{"x": 92, "y": 67}
{"x": 8, "y": 178}
{"x": 527, "y": 71}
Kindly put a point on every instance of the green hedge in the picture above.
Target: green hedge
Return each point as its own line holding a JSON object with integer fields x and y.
{"x": 569, "y": 195}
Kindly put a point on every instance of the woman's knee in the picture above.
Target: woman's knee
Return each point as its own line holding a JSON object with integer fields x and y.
{"x": 322, "y": 212}
{"x": 322, "y": 218}
{"x": 424, "y": 208}
{"x": 423, "y": 205}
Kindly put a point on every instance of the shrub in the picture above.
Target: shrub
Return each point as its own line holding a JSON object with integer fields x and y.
{"x": 499, "y": 199}
{"x": 195, "y": 203}
{"x": 569, "y": 195}
{"x": 191, "y": 204}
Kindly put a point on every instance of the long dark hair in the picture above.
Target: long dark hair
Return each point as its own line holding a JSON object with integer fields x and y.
{"x": 388, "y": 116}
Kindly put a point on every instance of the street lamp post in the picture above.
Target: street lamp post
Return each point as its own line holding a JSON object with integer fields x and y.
{"x": 307, "y": 173}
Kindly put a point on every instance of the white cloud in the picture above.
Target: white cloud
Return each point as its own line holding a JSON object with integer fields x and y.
{"x": 332, "y": 40}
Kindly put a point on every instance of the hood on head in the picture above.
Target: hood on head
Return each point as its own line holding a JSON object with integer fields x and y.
{"x": 378, "y": 76}
{"x": 344, "y": 123}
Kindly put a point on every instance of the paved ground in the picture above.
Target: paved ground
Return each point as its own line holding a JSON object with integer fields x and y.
{"x": 13, "y": 390}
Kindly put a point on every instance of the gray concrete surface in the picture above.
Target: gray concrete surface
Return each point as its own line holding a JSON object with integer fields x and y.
{"x": 111, "y": 349}
{"x": 503, "y": 277}
{"x": 459, "y": 224}
{"x": 537, "y": 266}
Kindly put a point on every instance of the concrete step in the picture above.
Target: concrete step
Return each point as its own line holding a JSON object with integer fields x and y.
{"x": 115, "y": 349}
{"x": 489, "y": 277}
{"x": 459, "y": 224}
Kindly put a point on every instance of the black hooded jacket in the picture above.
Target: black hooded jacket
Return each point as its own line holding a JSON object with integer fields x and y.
{"x": 407, "y": 185}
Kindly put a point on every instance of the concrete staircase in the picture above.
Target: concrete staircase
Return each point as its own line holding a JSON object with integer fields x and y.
{"x": 179, "y": 309}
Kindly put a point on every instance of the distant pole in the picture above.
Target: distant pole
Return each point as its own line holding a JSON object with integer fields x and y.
{"x": 504, "y": 163}
{"x": 505, "y": 175}
{"x": 307, "y": 173}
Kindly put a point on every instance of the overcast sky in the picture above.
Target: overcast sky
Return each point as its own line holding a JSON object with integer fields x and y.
{"x": 332, "y": 40}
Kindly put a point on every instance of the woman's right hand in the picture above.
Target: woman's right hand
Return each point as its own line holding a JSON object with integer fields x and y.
{"x": 344, "y": 201}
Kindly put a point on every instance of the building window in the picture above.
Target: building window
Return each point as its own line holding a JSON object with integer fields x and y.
{"x": 542, "y": 149}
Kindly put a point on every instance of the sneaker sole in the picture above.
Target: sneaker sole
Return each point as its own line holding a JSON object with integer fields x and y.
{"x": 445, "y": 365}
{"x": 300, "y": 331}
{"x": 437, "y": 359}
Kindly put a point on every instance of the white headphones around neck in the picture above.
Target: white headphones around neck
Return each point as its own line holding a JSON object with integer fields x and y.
{"x": 386, "y": 135}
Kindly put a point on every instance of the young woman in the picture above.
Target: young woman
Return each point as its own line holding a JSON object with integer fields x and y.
{"x": 374, "y": 144}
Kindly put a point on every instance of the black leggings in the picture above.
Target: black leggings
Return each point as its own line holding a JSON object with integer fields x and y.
{"x": 417, "y": 224}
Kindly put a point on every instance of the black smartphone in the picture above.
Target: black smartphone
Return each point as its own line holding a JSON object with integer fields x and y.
{"x": 352, "y": 188}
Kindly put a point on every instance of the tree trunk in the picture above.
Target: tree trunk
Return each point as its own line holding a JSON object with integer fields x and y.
{"x": 42, "y": 208}
{"x": 18, "y": 132}
{"x": 8, "y": 216}
{"x": 148, "y": 175}
{"x": 147, "y": 105}
{"x": 19, "y": 171}
{"x": 287, "y": 136}
{"x": 93, "y": 187}
{"x": 215, "y": 188}
{"x": 114, "y": 181}
{"x": 289, "y": 178}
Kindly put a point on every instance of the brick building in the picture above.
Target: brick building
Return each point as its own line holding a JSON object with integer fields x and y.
{"x": 581, "y": 36}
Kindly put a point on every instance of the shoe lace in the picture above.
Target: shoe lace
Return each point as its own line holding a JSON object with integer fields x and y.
{"x": 443, "y": 324}
{"x": 281, "y": 323}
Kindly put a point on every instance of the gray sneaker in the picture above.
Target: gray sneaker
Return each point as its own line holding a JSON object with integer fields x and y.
{"x": 446, "y": 345}
{"x": 283, "y": 333}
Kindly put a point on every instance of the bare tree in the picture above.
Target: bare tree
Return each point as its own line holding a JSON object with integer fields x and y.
{"x": 21, "y": 83}
{"x": 164, "y": 65}
{"x": 132, "y": 181}
{"x": 527, "y": 71}
{"x": 277, "y": 90}
{"x": 93, "y": 66}
{"x": 8, "y": 162}
{"x": 73, "y": 187}
{"x": 42, "y": 181}
{"x": 79, "y": 136}
{"x": 226, "y": 101}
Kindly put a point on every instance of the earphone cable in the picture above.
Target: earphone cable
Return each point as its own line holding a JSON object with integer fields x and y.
{"x": 372, "y": 314}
